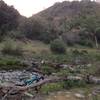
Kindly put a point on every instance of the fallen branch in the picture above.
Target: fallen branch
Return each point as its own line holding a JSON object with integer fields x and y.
{"x": 22, "y": 89}
{"x": 19, "y": 89}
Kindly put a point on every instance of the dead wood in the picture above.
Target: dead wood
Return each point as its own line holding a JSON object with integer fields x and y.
{"x": 19, "y": 89}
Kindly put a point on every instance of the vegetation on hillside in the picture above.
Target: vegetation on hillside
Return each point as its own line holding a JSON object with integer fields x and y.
{"x": 59, "y": 41}
{"x": 75, "y": 22}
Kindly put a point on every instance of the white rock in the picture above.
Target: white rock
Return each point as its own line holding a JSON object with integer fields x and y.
{"x": 78, "y": 95}
{"x": 67, "y": 96}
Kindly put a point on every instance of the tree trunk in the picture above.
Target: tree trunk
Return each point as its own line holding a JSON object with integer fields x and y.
{"x": 96, "y": 42}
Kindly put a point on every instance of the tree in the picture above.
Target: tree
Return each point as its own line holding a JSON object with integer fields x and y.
{"x": 8, "y": 18}
{"x": 86, "y": 26}
{"x": 98, "y": 34}
{"x": 38, "y": 28}
{"x": 91, "y": 23}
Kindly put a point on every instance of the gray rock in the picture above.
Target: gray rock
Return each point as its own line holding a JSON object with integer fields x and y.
{"x": 78, "y": 95}
{"x": 15, "y": 76}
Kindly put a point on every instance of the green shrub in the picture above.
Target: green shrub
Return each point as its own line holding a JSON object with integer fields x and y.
{"x": 11, "y": 64}
{"x": 86, "y": 43}
{"x": 58, "y": 46}
{"x": 51, "y": 87}
{"x": 76, "y": 52}
{"x": 11, "y": 49}
{"x": 74, "y": 83}
{"x": 47, "y": 70}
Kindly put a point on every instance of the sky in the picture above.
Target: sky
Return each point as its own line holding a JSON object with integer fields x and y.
{"x": 29, "y": 7}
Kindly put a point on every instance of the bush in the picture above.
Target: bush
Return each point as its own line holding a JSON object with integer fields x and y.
{"x": 87, "y": 43}
{"x": 51, "y": 87}
{"x": 11, "y": 49}
{"x": 8, "y": 63}
{"x": 74, "y": 83}
{"x": 58, "y": 46}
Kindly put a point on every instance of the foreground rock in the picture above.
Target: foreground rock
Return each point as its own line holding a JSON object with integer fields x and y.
{"x": 15, "y": 76}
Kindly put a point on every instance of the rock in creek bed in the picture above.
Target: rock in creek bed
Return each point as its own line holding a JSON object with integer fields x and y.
{"x": 16, "y": 76}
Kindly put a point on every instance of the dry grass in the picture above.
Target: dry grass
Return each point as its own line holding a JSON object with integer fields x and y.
{"x": 35, "y": 46}
{"x": 30, "y": 46}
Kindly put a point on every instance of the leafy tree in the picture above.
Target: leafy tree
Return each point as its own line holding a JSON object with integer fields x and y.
{"x": 8, "y": 18}
{"x": 98, "y": 34}
{"x": 37, "y": 29}
{"x": 91, "y": 23}
{"x": 86, "y": 26}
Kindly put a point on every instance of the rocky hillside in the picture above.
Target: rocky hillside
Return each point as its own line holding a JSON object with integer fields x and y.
{"x": 73, "y": 22}
{"x": 70, "y": 9}
{"x": 76, "y": 22}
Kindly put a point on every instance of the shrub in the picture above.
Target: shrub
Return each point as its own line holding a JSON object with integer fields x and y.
{"x": 76, "y": 52}
{"x": 11, "y": 49}
{"x": 87, "y": 43}
{"x": 11, "y": 64}
{"x": 74, "y": 83}
{"x": 58, "y": 46}
{"x": 47, "y": 70}
{"x": 51, "y": 87}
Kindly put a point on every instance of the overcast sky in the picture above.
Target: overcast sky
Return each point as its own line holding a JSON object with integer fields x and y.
{"x": 30, "y": 7}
